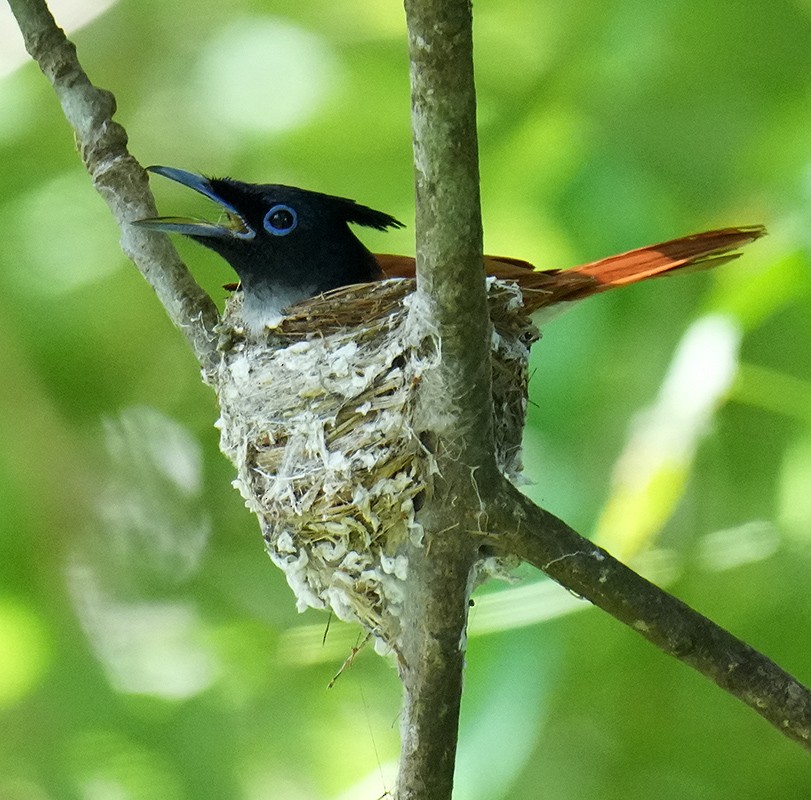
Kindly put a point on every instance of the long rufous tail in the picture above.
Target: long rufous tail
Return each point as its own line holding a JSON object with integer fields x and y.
{"x": 547, "y": 287}
{"x": 700, "y": 251}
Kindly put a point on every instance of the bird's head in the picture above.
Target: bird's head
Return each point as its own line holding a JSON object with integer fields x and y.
{"x": 284, "y": 243}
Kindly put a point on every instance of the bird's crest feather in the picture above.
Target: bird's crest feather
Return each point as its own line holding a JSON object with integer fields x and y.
{"x": 368, "y": 217}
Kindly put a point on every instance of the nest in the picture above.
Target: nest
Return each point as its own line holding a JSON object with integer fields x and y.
{"x": 320, "y": 418}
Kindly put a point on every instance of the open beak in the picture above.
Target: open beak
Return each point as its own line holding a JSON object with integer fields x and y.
{"x": 230, "y": 224}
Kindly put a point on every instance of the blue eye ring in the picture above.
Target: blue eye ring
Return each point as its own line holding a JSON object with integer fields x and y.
{"x": 286, "y": 220}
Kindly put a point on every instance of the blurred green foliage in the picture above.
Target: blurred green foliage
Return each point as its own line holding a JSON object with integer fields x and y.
{"x": 148, "y": 648}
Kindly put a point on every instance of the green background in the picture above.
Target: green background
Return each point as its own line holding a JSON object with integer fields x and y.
{"x": 149, "y": 649}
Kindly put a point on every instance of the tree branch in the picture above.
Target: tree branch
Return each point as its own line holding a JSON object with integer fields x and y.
{"x": 450, "y": 266}
{"x": 118, "y": 177}
{"x": 545, "y": 541}
{"x": 455, "y": 397}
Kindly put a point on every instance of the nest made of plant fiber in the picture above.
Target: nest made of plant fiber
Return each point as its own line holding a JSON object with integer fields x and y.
{"x": 321, "y": 418}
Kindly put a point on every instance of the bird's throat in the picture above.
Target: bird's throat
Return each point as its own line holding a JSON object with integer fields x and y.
{"x": 264, "y": 306}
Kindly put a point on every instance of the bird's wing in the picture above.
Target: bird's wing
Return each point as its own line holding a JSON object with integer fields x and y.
{"x": 396, "y": 266}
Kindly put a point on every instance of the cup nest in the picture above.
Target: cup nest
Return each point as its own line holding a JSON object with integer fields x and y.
{"x": 320, "y": 417}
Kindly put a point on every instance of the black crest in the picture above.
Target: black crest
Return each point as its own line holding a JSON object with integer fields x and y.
{"x": 363, "y": 215}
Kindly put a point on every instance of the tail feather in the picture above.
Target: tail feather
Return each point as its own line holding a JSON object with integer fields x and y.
{"x": 706, "y": 249}
{"x": 700, "y": 251}
{"x": 546, "y": 287}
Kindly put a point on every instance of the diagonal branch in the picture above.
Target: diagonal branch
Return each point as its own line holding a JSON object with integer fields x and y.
{"x": 548, "y": 543}
{"x": 117, "y": 176}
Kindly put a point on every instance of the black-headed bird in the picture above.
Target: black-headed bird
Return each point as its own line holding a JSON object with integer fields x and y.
{"x": 288, "y": 244}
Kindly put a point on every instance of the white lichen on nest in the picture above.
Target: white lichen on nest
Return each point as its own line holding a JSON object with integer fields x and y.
{"x": 320, "y": 418}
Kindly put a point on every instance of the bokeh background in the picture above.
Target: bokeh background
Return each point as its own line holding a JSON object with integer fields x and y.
{"x": 149, "y": 649}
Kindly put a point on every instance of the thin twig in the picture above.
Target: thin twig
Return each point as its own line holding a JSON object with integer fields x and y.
{"x": 118, "y": 177}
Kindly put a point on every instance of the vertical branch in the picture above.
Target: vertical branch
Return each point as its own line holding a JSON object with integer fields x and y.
{"x": 455, "y": 398}
{"x": 450, "y": 273}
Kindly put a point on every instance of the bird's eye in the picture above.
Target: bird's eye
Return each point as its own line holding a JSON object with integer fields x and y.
{"x": 280, "y": 220}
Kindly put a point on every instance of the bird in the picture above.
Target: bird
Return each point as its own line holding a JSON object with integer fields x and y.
{"x": 288, "y": 244}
